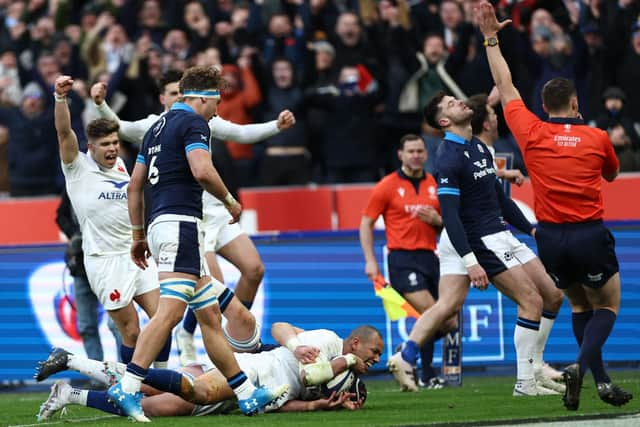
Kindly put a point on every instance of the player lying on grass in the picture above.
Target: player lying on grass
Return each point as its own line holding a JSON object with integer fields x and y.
{"x": 307, "y": 360}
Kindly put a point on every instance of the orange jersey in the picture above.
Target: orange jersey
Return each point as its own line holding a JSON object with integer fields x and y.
{"x": 396, "y": 199}
{"x": 565, "y": 160}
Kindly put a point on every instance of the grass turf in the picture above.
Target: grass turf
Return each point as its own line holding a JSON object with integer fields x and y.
{"x": 482, "y": 399}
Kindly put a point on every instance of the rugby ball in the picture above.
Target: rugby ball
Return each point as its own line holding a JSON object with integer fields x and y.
{"x": 341, "y": 382}
{"x": 359, "y": 390}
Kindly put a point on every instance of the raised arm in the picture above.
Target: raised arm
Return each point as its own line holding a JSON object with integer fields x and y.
{"x": 225, "y": 130}
{"x": 67, "y": 140}
{"x": 132, "y": 132}
{"x": 489, "y": 26}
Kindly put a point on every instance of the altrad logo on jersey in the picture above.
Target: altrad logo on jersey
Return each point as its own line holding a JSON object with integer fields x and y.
{"x": 114, "y": 195}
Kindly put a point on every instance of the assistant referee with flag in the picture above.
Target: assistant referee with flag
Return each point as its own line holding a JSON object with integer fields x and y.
{"x": 407, "y": 201}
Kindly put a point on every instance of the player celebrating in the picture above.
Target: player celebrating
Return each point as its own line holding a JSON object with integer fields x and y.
{"x": 306, "y": 359}
{"x": 473, "y": 205}
{"x": 221, "y": 236}
{"x": 567, "y": 161}
{"x": 175, "y": 161}
{"x": 408, "y": 202}
{"x": 96, "y": 183}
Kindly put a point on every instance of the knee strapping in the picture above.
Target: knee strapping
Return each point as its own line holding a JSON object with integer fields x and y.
{"x": 244, "y": 346}
{"x": 177, "y": 289}
{"x": 203, "y": 298}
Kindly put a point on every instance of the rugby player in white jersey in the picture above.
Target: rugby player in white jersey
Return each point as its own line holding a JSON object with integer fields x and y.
{"x": 221, "y": 236}
{"x": 306, "y": 359}
{"x": 96, "y": 182}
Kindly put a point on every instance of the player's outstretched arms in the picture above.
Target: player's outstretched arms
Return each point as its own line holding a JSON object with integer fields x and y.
{"x": 250, "y": 134}
{"x": 333, "y": 402}
{"x": 489, "y": 27}
{"x": 67, "y": 140}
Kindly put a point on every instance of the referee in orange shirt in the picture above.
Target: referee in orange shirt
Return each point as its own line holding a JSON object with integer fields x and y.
{"x": 566, "y": 161}
{"x": 407, "y": 200}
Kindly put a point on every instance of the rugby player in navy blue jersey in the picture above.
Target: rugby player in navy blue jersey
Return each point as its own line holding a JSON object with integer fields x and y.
{"x": 474, "y": 210}
{"x": 174, "y": 160}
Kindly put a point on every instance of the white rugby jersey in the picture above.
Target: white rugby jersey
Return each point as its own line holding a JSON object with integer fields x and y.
{"x": 279, "y": 366}
{"x": 99, "y": 199}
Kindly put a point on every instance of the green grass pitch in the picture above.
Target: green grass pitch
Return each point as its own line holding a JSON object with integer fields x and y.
{"x": 482, "y": 399}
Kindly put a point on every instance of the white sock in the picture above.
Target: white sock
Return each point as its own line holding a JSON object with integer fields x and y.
{"x": 546, "y": 325}
{"x": 94, "y": 369}
{"x": 78, "y": 396}
{"x": 244, "y": 390}
{"x": 131, "y": 383}
{"x": 525, "y": 343}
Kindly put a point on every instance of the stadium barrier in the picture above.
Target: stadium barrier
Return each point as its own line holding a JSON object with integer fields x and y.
{"x": 313, "y": 280}
{"x": 271, "y": 209}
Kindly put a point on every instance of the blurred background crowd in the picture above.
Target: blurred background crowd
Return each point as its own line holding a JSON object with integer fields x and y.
{"x": 356, "y": 73}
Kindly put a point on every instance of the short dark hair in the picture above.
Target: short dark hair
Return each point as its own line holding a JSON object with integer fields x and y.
{"x": 200, "y": 78}
{"x": 171, "y": 76}
{"x": 557, "y": 93}
{"x": 432, "y": 110}
{"x": 99, "y": 128}
{"x": 478, "y": 103}
{"x": 408, "y": 137}
{"x": 365, "y": 333}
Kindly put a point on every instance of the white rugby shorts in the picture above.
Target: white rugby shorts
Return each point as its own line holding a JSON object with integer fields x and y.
{"x": 503, "y": 246}
{"x": 176, "y": 243}
{"x": 115, "y": 279}
{"x": 217, "y": 230}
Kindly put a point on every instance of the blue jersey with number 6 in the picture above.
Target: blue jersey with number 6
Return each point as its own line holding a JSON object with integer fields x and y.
{"x": 164, "y": 150}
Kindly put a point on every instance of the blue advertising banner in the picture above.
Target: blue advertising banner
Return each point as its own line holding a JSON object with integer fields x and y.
{"x": 313, "y": 281}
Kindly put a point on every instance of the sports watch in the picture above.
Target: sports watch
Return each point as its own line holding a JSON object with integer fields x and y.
{"x": 491, "y": 41}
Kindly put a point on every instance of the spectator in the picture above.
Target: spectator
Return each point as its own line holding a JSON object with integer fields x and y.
{"x": 623, "y": 132}
{"x": 34, "y": 167}
{"x": 10, "y": 89}
{"x": 628, "y": 71}
{"x": 239, "y": 98}
{"x": 319, "y": 72}
{"x": 348, "y": 143}
{"x": 432, "y": 71}
{"x": 352, "y": 47}
{"x": 286, "y": 159}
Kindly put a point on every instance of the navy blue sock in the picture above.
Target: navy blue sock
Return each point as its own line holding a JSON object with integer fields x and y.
{"x": 579, "y": 322}
{"x": 410, "y": 351}
{"x": 247, "y": 304}
{"x": 136, "y": 370}
{"x": 163, "y": 356}
{"x": 99, "y": 400}
{"x": 237, "y": 380}
{"x": 595, "y": 335}
{"x": 126, "y": 353}
{"x": 224, "y": 299}
{"x": 189, "y": 323}
{"x": 164, "y": 380}
{"x": 426, "y": 355}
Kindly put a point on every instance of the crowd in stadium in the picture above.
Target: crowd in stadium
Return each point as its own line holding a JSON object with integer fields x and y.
{"x": 355, "y": 73}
